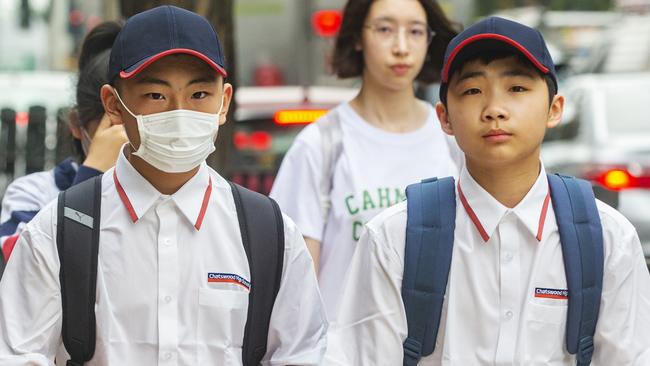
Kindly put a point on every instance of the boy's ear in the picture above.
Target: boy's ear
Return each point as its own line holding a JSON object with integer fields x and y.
{"x": 555, "y": 111}
{"x": 443, "y": 117}
{"x": 111, "y": 105}
{"x": 227, "y": 98}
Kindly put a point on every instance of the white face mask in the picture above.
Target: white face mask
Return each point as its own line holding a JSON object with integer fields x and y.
{"x": 176, "y": 141}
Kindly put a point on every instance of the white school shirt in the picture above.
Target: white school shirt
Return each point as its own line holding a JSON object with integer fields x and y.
{"x": 172, "y": 282}
{"x": 371, "y": 174}
{"x": 491, "y": 314}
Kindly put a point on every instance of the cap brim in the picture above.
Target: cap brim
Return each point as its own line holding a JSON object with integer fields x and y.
{"x": 135, "y": 69}
{"x": 479, "y": 42}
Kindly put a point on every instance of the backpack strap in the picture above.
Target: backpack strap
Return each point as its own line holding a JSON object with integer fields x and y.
{"x": 331, "y": 148}
{"x": 430, "y": 224}
{"x": 581, "y": 236}
{"x": 77, "y": 238}
{"x": 2, "y": 262}
{"x": 263, "y": 241}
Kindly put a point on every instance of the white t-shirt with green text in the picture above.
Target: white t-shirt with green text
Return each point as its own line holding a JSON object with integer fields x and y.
{"x": 371, "y": 174}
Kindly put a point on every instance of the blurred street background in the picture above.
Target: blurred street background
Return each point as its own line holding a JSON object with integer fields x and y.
{"x": 278, "y": 52}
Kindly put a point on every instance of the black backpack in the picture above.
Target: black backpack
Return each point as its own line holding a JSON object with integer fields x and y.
{"x": 78, "y": 244}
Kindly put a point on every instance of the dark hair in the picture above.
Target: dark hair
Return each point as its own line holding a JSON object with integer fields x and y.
{"x": 486, "y": 56}
{"x": 348, "y": 62}
{"x": 93, "y": 66}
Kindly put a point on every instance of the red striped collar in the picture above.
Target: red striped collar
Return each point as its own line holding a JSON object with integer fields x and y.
{"x": 138, "y": 195}
{"x": 532, "y": 210}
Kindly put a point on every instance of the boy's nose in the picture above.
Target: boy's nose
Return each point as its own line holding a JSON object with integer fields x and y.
{"x": 494, "y": 112}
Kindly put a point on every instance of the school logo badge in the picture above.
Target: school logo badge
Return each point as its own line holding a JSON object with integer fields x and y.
{"x": 228, "y": 278}
{"x": 551, "y": 293}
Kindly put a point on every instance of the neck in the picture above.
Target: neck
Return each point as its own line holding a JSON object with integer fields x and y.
{"x": 507, "y": 183}
{"x": 165, "y": 183}
{"x": 390, "y": 110}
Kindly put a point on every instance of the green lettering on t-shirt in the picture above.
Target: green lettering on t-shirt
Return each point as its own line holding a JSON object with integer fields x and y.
{"x": 367, "y": 201}
{"x": 356, "y": 230}
{"x": 384, "y": 197}
{"x": 352, "y": 211}
{"x": 399, "y": 196}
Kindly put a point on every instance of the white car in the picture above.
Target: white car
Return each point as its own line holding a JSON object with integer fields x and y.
{"x": 605, "y": 137}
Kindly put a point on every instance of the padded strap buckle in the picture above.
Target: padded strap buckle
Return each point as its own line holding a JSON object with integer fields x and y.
{"x": 412, "y": 351}
{"x": 585, "y": 351}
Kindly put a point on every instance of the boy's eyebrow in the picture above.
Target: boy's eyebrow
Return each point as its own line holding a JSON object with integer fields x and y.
{"x": 519, "y": 72}
{"x": 152, "y": 80}
{"x": 208, "y": 78}
{"x": 469, "y": 74}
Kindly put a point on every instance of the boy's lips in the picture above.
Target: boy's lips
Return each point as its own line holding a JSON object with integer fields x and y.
{"x": 497, "y": 135}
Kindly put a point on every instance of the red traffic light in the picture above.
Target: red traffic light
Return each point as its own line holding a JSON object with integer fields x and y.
{"x": 326, "y": 23}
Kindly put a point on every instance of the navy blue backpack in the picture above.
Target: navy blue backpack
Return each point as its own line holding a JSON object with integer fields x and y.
{"x": 431, "y": 208}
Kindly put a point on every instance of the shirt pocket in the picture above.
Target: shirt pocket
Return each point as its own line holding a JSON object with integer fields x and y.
{"x": 221, "y": 320}
{"x": 545, "y": 332}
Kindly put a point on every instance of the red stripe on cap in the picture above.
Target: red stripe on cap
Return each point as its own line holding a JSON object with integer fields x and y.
{"x": 124, "y": 197}
{"x": 498, "y": 37}
{"x": 542, "y": 216}
{"x": 220, "y": 70}
{"x": 472, "y": 215}
{"x": 204, "y": 205}
{"x": 8, "y": 246}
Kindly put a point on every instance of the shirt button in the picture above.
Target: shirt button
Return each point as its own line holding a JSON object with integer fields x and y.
{"x": 509, "y": 315}
{"x": 167, "y": 242}
{"x": 167, "y": 356}
{"x": 507, "y": 257}
{"x": 168, "y": 299}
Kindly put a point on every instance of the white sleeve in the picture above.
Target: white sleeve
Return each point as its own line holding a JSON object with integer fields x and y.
{"x": 371, "y": 323}
{"x": 297, "y": 184}
{"x": 298, "y": 328}
{"x": 30, "y": 301}
{"x": 623, "y": 330}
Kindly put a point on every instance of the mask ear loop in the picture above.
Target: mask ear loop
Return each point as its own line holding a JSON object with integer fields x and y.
{"x": 124, "y": 105}
{"x": 134, "y": 116}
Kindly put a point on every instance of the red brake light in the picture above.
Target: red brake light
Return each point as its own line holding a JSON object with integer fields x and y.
{"x": 618, "y": 179}
{"x": 297, "y": 116}
{"x": 261, "y": 140}
{"x": 22, "y": 118}
{"x": 326, "y": 23}
{"x": 240, "y": 140}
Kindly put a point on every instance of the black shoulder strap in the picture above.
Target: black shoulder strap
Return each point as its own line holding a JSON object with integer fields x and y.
{"x": 2, "y": 262}
{"x": 77, "y": 238}
{"x": 262, "y": 233}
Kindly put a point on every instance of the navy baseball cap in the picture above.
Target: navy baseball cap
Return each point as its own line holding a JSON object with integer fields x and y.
{"x": 496, "y": 33}
{"x": 159, "y": 32}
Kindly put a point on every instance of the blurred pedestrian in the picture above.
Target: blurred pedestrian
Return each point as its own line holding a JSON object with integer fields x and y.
{"x": 160, "y": 260}
{"x": 358, "y": 159}
{"x": 96, "y": 142}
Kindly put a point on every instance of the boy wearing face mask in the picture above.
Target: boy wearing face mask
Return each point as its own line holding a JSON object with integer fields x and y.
{"x": 172, "y": 275}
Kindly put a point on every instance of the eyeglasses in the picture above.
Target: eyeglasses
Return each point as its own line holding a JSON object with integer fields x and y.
{"x": 388, "y": 32}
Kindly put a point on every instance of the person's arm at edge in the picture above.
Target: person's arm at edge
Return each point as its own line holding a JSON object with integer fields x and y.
{"x": 313, "y": 246}
{"x": 298, "y": 329}
{"x": 623, "y": 330}
{"x": 30, "y": 301}
{"x": 371, "y": 321}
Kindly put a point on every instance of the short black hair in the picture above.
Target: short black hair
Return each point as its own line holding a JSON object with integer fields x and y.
{"x": 487, "y": 56}
{"x": 347, "y": 61}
